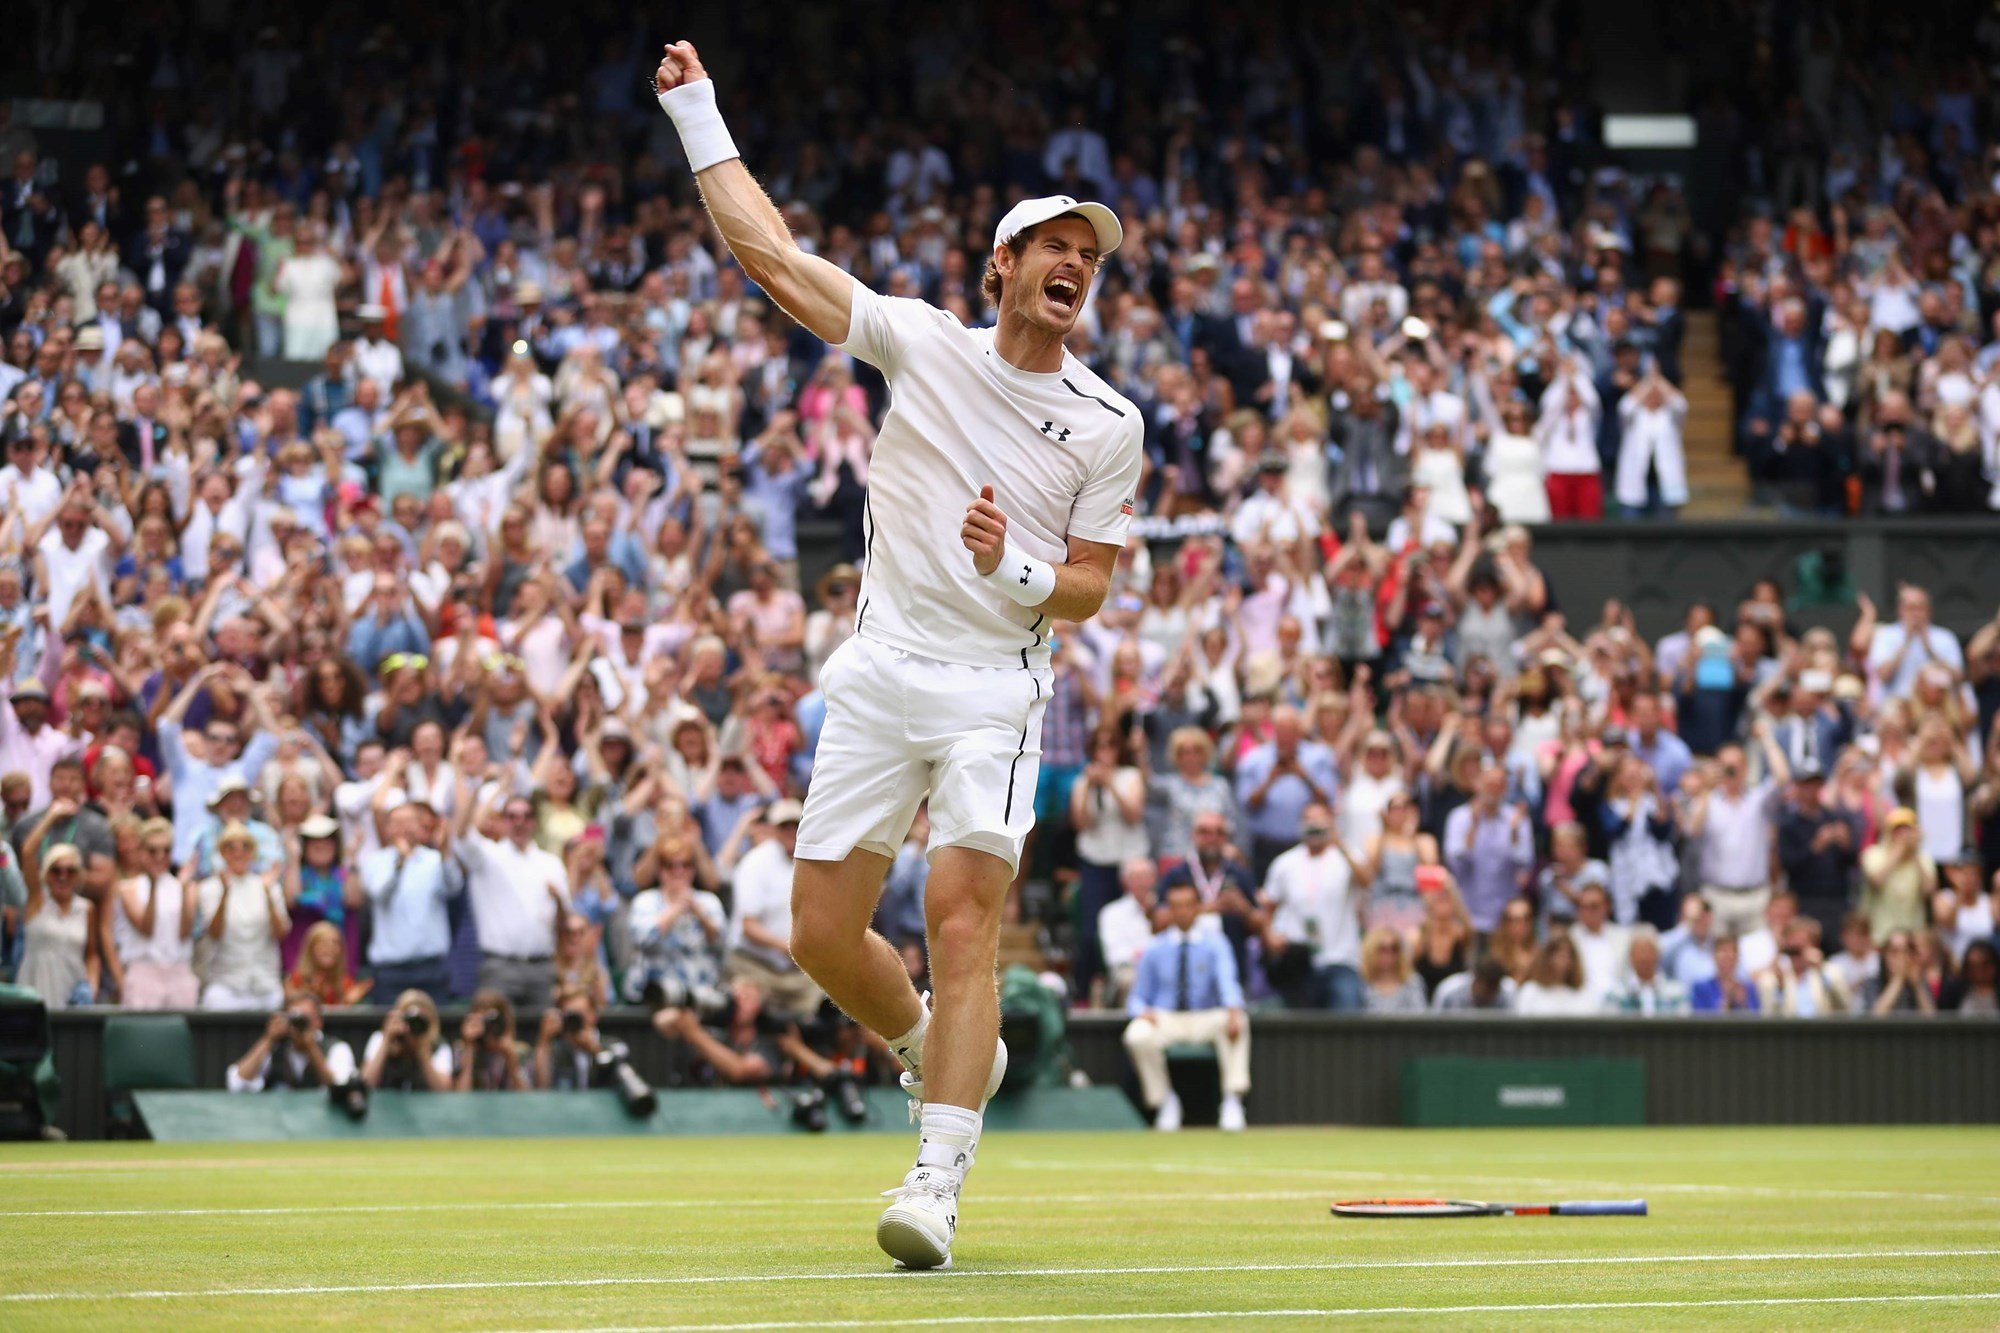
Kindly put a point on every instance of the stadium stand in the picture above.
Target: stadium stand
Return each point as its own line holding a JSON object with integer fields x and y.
{"x": 421, "y": 541}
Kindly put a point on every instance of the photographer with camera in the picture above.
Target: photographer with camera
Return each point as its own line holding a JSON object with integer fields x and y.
{"x": 406, "y": 1055}
{"x": 293, "y": 1052}
{"x": 745, "y": 1046}
{"x": 489, "y": 1058}
{"x": 568, "y": 1043}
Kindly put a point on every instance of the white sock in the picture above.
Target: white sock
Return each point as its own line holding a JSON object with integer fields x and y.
{"x": 909, "y": 1047}
{"x": 950, "y": 1138}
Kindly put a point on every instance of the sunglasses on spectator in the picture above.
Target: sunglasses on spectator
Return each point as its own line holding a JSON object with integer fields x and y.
{"x": 64, "y": 871}
{"x": 677, "y": 865}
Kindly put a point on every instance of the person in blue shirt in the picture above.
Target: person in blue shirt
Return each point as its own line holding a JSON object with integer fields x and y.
{"x": 1185, "y": 990}
{"x": 408, "y": 883}
{"x": 1276, "y": 782}
{"x": 1728, "y": 991}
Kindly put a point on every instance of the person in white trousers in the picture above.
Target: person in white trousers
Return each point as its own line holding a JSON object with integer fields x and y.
{"x": 1186, "y": 991}
{"x": 1652, "y": 415}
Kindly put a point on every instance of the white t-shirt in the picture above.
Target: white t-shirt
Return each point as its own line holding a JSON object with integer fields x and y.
{"x": 71, "y": 571}
{"x": 1124, "y": 929}
{"x": 763, "y": 893}
{"x": 1604, "y": 958}
{"x": 1311, "y": 902}
{"x": 36, "y": 494}
{"x": 1061, "y": 451}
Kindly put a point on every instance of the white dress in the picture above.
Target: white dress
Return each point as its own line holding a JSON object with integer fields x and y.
{"x": 1444, "y": 473}
{"x": 1515, "y": 481}
{"x": 308, "y": 282}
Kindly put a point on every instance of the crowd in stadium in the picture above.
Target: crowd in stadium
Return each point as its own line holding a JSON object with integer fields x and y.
{"x": 481, "y": 665}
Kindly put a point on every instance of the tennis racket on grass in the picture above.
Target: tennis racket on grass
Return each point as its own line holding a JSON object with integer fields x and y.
{"x": 1463, "y": 1208}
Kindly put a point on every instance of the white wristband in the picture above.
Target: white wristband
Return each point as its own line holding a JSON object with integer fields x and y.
{"x": 704, "y": 138}
{"x": 1026, "y": 580}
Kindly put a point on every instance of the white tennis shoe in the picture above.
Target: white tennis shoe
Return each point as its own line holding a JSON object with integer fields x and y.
{"x": 916, "y": 1229}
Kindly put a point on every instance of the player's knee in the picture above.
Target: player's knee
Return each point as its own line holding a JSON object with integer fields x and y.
{"x": 964, "y": 943}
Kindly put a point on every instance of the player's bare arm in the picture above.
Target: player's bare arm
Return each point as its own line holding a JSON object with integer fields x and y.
{"x": 1081, "y": 581}
{"x": 809, "y": 289}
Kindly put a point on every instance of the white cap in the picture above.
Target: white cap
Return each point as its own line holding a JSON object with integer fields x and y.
{"x": 1029, "y": 212}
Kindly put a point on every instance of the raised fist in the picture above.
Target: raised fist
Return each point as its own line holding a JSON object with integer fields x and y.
{"x": 680, "y": 65}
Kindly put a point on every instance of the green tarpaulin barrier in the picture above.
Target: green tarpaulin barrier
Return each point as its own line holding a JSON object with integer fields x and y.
{"x": 198, "y": 1117}
{"x": 1463, "y": 1090}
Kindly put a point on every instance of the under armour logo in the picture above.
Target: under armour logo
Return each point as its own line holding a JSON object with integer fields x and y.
{"x": 1060, "y": 433}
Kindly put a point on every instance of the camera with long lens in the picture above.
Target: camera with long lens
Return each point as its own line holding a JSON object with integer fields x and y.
{"x": 572, "y": 1022}
{"x": 416, "y": 1020}
{"x": 614, "y": 1070}
{"x": 351, "y": 1097}
{"x": 710, "y": 1003}
{"x": 298, "y": 1020}
{"x": 844, "y": 1090}
{"x": 809, "y": 1110}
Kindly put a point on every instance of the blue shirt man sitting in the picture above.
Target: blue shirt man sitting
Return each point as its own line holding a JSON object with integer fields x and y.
{"x": 1186, "y": 991}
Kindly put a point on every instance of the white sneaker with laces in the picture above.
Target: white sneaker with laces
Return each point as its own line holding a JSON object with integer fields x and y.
{"x": 1231, "y": 1119}
{"x": 1168, "y": 1117}
{"x": 916, "y": 1229}
{"x": 913, "y": 1083}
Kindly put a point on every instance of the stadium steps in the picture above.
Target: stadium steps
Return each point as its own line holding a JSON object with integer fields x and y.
{"x": 1718, "y": 486}
{"x": 1018, "y": 945}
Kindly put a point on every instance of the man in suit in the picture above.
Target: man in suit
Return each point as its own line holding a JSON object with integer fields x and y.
{"x": 1669, "y": 327}
{"x": 1371, "y": 476}
{"x": 1186, "y": 990}
{"x": 28, "y": 214}
{"x": 158, "y": 255}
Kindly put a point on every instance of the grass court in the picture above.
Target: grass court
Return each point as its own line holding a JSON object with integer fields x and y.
{"x": 1750, "y": 1228}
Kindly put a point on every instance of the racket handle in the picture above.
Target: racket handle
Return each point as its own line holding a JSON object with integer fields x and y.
{"x": 1603, "y": 1208}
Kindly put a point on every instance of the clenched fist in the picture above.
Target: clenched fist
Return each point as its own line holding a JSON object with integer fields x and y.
{"x": 984, "y": 532}
{"x": 679, "y": 66}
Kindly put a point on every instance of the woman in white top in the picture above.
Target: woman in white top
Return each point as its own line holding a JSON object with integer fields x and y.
{"x": 307, "y": 280}
{"x": 153, "y": 923}
{"x": 59, "y": 956}
{"x": 833, "y": 624}
{"x": 1516, "y": 484}
{"x": 1652, "y": 413}
{"x": 1303, "y": 438}
{"x": 1939, "y": 777}
{"x": 241, "y": 917}
{"x": 1438, "y": 462}
{"x": 1165, "y": 621}
{"x": 1554, "y": 988}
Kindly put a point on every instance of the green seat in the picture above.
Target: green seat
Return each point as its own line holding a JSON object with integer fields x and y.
{"x": 143, "y": 1051}
{"x": 1191, "y": 1050}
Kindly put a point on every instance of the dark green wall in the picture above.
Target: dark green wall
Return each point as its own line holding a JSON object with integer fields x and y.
{"x": 1321, "y": 1069}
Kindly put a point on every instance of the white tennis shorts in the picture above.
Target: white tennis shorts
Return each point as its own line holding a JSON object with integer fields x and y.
{"x": 900, "y": 727}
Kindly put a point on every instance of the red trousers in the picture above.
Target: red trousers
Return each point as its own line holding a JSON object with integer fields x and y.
{"x": 1576, "y": 495}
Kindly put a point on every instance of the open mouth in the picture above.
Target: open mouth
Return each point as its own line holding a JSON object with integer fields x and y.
{"x": 1065, "y": 292}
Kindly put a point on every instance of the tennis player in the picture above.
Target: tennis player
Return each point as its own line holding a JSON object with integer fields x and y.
{"x": 1000, "y": 492}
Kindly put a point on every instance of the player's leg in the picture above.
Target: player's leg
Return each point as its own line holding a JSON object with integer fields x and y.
{"x": 986, "y": 727}
{"x": 866, "y": 786}
{"x": 963, "y": 901}
{"x": 832, "y": 903}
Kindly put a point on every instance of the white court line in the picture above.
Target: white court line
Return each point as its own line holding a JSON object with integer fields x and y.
{"x": 1551, "y": 1182}
{"x": 1337, "y": 1313}
{"x": 968, "y": 1275}
{"x": 566, "y": 1205}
